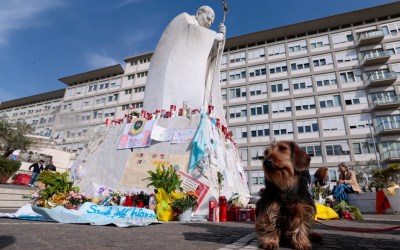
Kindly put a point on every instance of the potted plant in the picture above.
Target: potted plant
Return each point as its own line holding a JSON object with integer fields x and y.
{"x": 8, "y": 168}
{"x": 166, "y": 181}
{"x": 183, "y": 204}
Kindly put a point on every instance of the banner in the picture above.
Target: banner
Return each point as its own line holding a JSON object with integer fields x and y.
{"x": 136, "y": 134}
{"x": 161, "y": 134}
{"x": 183, "y": 135}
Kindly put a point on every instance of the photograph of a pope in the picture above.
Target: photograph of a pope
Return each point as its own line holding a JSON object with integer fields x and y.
{"x": 185, "y": 64}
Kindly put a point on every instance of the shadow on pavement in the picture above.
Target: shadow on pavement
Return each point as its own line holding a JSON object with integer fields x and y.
{"x": 6, "y": 241}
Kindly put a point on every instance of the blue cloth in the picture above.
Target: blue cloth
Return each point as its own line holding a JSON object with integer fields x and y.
{"x": 33, "y": 178}
{"x": 199, "y": 144}
{"x": 340, "y": 192}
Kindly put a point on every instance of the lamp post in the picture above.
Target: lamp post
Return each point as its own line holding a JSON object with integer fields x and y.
{"x": 373, "y": 141}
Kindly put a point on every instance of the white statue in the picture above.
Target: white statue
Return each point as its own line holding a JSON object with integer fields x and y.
{"x": 185, "y": 65}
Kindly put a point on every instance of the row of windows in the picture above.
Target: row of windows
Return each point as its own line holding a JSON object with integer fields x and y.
{"x": 336, "y": 123}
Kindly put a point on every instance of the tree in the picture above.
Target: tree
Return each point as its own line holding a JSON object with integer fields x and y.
{"x": 13, "y": 136}
{"x": 388, "y": 174}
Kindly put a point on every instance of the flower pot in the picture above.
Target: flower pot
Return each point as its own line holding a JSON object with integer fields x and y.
{"x": 185, "y": 216}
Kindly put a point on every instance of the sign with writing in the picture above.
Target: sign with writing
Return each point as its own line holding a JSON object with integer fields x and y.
{"x": 100, "y": 215}
{"x": 139, "y": 163}
{"x": 189, "y": 183}
{"x": 183, "y": 135}
{"x": 161, "y": 134}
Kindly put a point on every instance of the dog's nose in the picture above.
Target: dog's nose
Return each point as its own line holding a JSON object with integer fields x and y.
{"x": 268, "y": 163}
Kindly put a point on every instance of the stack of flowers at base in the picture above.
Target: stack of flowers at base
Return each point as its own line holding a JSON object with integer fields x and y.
{"x": 181, "y": 202}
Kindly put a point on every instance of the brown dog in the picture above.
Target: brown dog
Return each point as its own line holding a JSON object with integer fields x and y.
{"x": 286, "y": 208}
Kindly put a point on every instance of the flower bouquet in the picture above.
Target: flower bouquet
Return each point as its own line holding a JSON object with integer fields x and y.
{"x": 183, "y": 204}
{"x": 75, "y": 200}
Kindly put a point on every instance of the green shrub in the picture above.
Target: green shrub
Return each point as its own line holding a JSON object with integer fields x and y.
{"x": 8, "y": 167}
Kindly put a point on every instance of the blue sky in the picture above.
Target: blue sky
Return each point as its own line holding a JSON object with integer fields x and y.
{"x": 44, "y": 40}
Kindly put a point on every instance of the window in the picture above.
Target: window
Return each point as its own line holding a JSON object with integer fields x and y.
{"x": 350, "y": 76}
{"x": 128, "y": 91}
{"x": 131, "y": 77}
{"x": 222, "y": 76}
{"x": 343, "y": 37}
{"x": 112, "y": 98}
{"x": 329, "y": 101}
{"x": 67, "y": 105}
{"x": 239, "y": 111}
{"x": 325, "y": 80}
{"x": 312, "y": 149}
{"x": 322, "y": 60}
{"x": 258, "y": 89}
{"x": 110, "y": 112}
{"x": 223, "y": 94}
{"x": 280, "y": 86}
{"x": 237, "y": 74}
{"x": 302, "y": 83}
{"x": 363, "y": 148}
{"x": 283, "y": 128}
{"x": 85, "y": 116}
{"x": 378, "y": 74}
{"x": 393, "y": 48}
{"x": 359, "y": 121}
{"x": 260, "y": 109}
{"x": 101, "y": 100}
{"x": 137, "y": 105}
{"x": 103, "y": 85}
{"x": 346, "y": 56}
{"x": 144, "y": 60}
{"x": 281, "y": 107}
{"x": 319, "y": 42}
{"x": 115, "y": 84}
{"x": 337, "y": 148}
{"x": 257, "y": 153}
{"x": 256, "y": 53}
{"x": 243, "y": 154}
{"x": 307, "y": 126}
{"x": 304, "y": 103}
{"x": 224, "y": 60}
{"x": 275, "y": 68}
{"x": 388, "y": 122}
{"x": 139, "y": 89}
{"x": 299, "y": 64}
{"x": 297, "y": 46}
{"x": 332, "y": 123}
{"x": 97, "y": 114}
{"x": 240, "y": 132}
{"x": 142, "y": 74}
{"x": 92, "y": 88}
{"x": 237, "y": 57}
{"x": 259, "y": 70}
{"x": 257, "y": 178}
{"x": 237, "y": 92}
{"x": 391, "y": 28}
{"x": 260, "y": 130}
{"x": 355, "y": 98}
{"x": 133, "y": 63}
{"x": 276, "y": 50}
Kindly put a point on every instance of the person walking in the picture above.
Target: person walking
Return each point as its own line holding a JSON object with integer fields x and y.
{"x": 37, "y": 168}
{"x": 50, "y": 166}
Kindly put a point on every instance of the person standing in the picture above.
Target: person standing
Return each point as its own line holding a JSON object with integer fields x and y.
{"x": 37, "y": 168}
{"x": 50, "y": 166}
{"x": 346, "y": 184}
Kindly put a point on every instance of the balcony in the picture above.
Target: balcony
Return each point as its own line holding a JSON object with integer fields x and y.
{"x": 388, "y": 128}
{"x": 375, "y": 57}
{"x": 379, "y": 79}
{"x": 370, "y": 37}
{"x": 391, "y": 156}
{"x": 391, "y": 102}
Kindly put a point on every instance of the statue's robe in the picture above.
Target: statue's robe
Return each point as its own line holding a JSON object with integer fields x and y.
{"x": 185, "y": 62}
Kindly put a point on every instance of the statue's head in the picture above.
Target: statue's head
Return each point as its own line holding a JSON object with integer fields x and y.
{"x": 205, "y": 16}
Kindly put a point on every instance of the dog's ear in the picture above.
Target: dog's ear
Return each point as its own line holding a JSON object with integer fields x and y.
{"x": 301, "y": 159}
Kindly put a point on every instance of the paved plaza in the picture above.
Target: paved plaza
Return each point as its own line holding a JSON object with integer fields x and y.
{"x": 23, "y": 234}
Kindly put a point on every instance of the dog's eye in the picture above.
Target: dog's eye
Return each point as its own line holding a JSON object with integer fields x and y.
{"x": 282, "y": 148}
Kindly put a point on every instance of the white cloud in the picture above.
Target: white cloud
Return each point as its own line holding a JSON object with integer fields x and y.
{"x": 96, "y": 60}
{"x": 19, "y": 14}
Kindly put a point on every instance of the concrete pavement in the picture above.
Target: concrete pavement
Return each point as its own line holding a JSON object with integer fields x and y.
{"x": 22, "y": 234}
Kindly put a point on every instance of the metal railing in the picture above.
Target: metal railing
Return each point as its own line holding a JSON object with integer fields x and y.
{"x": 391, "y": 154}
{"x": 387, "y": 126}
{"x": 381, "y": 76}
{"x": 370, "y": 34}
{"x": 374, "y": 55}
{"x": 387, "y": 100}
